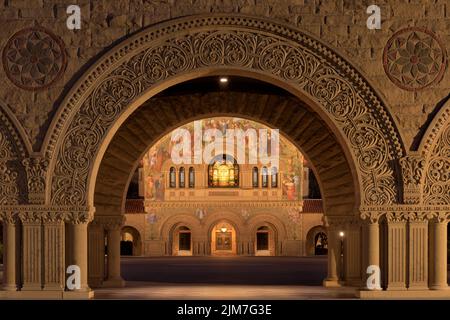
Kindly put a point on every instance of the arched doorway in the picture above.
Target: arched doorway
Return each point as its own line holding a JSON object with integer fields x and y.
{"x": 131, "y": 243}
{"x": 223, "y": 239}
{"x": 265, "y": 243}
{"x": 182, "y": 241}
{"x": 317, "y": 241}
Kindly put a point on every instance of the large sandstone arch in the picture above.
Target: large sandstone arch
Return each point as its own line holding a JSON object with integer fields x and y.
{"x": 187, "y": 48}
{"x": 434, "y": 168}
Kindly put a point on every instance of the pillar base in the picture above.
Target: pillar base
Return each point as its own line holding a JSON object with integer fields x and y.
{"x": 439, "y": 287}
{"x": 9, "y": 288}
{"x": 114, "y": 283}
{"x": 407, "y": 294}
{"x": 331, "y": 283}
{"x": 46, "y": 295}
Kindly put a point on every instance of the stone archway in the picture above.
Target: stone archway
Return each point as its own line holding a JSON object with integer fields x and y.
{"x": 311, "y": 238}
{"x": 172, "y": 52}
{"x": 345, "y": 116}
{"x": 343, "y": 113}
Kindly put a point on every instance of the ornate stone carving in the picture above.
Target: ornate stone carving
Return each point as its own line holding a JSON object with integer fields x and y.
{"x": 371, "y": 216}
{"x": 53, "y": 217}
{"x": 30, "y": 217}
{"x": 412, "y": 173}
{"x": 34, "y": 58}
{"x": 78, "y": 217}
{"x": 414, "y": 58}
{"x": 437, "y": 178}
{"x": 36, "y": 169}
{"x": 9, "y": 217}
{"x": 110, "y": 222}
{"x": 247, "y": 44}
{"x": 9, "y": 192}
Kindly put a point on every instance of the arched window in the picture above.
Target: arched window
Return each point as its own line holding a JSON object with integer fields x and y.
{"x": 274, "y": 178}
{"x": 265, "y": 177}
{"x": 191, "y": 177}
{"x": 223, "y": 172}
{"x": 320, "y": 243}
{"x": 181, "y": 182}
{"x": 255, "y": 177}
{"x": 172, "y": 178}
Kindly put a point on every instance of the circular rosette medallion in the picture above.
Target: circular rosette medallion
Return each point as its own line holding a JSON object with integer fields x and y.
{"x": 34, "y": 58}
{"x": 414, "y": 58}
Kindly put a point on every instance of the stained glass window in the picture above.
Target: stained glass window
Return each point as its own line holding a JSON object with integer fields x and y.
{"x": 223, "y": 172}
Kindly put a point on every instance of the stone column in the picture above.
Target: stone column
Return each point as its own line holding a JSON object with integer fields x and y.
{"x": 96, "y": 250}
{"x": 418, "y": 253}
{"x": 372, "y": 244}
{"x": 9, "y": 254}
{"x": 78, "y": 223}
{"x": 439, "y": 254}
{"x": 334, "y": 255}
{"x": 31, "y": 251}
{"x": 54, "y": 268}
{"x": 113, "y": 227}
{"x": 396, "y": 251}
{"x": 352, "y": 253}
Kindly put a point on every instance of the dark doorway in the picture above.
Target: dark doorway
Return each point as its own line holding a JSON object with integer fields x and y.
{"x": 126, "y": 248}
{"x": 262, "y": 241}
{"x": 185, "y": 241}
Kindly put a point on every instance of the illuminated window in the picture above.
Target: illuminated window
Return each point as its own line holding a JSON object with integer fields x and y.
{"x": 223, "y": 172}
{"x": 255, "y": 177}
{"x": 265, "y": 177}
{"x": 274, "y": 178}
{"x": 172, "y": 177}
{"x": 182, "y": 180}
{"x": 191, "y": 177}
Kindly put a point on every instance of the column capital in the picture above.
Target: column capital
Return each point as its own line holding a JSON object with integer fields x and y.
{"x": 110, "y": 222}
{"x": 78, "y": 217}
{"x": 371, "y": 217}
{"x": 10, "y": 218}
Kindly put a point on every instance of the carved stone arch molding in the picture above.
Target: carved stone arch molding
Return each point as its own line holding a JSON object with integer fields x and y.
{"x": 14, "y": 148}
{"x": 435, "y": 148}
{"x": 190, "y": 47}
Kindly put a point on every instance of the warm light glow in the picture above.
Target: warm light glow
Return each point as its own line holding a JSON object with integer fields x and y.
{"x": 223, "y": 80}
{"x": 224, "y": 229}
{"x": 341, "y": 234}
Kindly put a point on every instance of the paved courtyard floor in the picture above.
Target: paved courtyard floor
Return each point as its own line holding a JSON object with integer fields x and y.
{"x": 223, "y": 278}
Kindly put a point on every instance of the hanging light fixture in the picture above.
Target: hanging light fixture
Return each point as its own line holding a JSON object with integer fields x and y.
{"x": 224, "y": 229}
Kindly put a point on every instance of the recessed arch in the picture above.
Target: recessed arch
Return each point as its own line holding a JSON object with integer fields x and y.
{"x": 175, "y": 51}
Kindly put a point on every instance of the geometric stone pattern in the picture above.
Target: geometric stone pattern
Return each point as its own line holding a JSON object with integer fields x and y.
{"x": 34, "y": 58}
{"x": 284, "y": 54}
{"x": 414, "y": 58}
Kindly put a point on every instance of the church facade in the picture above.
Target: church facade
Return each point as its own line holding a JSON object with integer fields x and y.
{"x": 222, "y": 207}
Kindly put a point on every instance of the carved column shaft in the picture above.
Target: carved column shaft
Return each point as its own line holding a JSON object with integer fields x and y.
{"x": 113, "y": 226}
{"x": 31, "y": 251}
{"x": 352, "y": 254}
{"x": 396, "y": 255}
{"x": 372, "y": 238}
{"x": 439, "y": 254}
{"x": 53, "y": 246}
{"x": 418, "y": 254}
{"x": 9, "y": 254}
{"x": 96, "y": 254}
{"x": 334, "y": 255}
